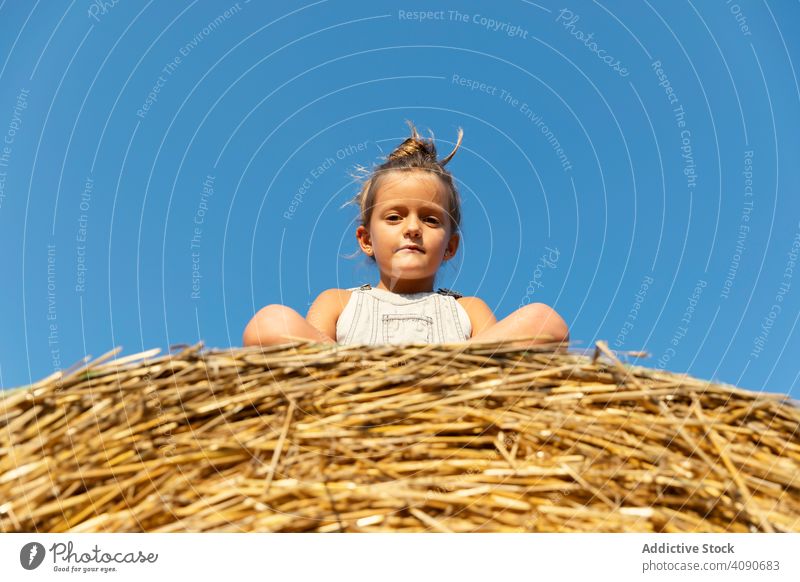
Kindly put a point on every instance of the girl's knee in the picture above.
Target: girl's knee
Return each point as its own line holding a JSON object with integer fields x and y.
{"x": 267, "y": 325}
{"x": 539, "y": 317}
{"x": 276, "y": 312}
{"x": 534, "y": 311}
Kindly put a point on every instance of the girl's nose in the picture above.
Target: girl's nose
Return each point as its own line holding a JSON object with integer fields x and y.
{"x": 412, "y": 226}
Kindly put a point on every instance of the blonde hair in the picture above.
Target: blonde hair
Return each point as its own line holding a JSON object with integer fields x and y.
{"x": 414, "y": 154}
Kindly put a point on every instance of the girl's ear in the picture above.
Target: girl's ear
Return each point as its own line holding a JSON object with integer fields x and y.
{"x": 364, "y": 240}
{"x": 452, "y": 247}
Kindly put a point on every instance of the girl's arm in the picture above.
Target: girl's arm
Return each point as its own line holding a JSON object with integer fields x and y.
{"x": 326, "y": 309}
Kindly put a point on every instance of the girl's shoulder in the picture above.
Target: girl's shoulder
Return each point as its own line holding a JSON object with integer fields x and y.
{"x": 336, "y": 295}
{"x": 331, "y": 301}
{"x": 326, "y": 309}
{"x": 480, "y": 315}
{"x": 471, "y": 301}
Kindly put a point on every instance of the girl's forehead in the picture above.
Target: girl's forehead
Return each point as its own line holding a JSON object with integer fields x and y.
{"x": 411, "y": 188}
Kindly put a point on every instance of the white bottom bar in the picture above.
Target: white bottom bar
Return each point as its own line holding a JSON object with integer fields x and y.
{"x": 402, "y": 557}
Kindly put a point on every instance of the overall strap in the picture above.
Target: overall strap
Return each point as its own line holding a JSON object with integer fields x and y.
{"x": 450, "y": 292}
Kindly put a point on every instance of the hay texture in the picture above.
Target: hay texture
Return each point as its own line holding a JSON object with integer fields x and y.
{"x": 449, "y": 438}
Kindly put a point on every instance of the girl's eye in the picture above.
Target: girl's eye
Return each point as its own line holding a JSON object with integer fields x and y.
{"x": 429, "y": 219}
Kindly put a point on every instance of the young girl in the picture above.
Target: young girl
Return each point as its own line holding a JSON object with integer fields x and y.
{"x": 410, "y": 216}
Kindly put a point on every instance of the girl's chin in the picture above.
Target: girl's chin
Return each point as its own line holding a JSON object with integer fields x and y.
{"x": 410, "y": 271}
{"x": 411, "y": 262}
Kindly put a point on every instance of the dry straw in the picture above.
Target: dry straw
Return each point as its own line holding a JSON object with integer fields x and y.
{"x": 450, "y": 438}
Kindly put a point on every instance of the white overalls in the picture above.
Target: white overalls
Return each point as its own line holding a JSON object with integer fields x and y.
{"x": 376, "y": 316}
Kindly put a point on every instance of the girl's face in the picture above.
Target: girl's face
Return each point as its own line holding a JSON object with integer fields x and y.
{"x": 409, "y": 231}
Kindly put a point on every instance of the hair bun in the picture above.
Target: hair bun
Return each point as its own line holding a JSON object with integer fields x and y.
{"x": 414, "y": 147}
{"x": 424, "y": 150}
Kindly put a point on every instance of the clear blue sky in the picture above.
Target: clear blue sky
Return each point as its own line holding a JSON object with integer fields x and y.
{"x": 168, "y": 168}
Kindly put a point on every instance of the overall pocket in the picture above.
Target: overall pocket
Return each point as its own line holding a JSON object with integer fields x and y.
{"x": 399, "y": 328}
